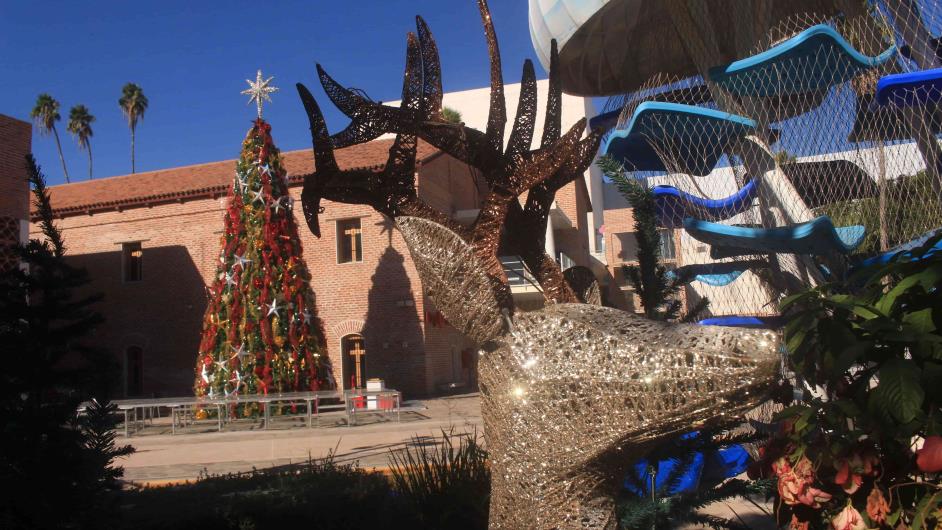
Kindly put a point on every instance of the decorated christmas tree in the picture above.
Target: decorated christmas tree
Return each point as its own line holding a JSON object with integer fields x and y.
{"x": 261, "y": 333}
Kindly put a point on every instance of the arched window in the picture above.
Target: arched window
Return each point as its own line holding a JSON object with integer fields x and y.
{"x": 354, "y": 361}
{"x": 134, "y": 371}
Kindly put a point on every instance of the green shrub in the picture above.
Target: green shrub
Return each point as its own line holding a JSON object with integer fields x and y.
{"x": 872, "y": 349}
{"x": 447, "y": 486}
{"x": 318, "y": 494}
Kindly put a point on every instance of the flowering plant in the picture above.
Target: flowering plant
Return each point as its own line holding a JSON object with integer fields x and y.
{"x": 863, "y": 450}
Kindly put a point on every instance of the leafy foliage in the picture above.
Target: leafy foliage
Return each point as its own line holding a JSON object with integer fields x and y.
{"x": 448, "y": 486}
{"x": 658, "y": 289}
{"x": 872, "y": 349}
{"x": 451, "y": 115}
{"x": 905, "y": 214}
{"x": 61, "y": 464}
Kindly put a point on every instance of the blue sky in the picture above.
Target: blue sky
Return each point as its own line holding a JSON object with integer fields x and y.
{"x": 192, "y": 59}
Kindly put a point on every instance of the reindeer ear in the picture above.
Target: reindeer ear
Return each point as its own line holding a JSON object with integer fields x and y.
{"x": 454, "y": 277}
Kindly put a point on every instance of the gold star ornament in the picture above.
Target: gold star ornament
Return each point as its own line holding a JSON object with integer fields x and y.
{"x": 259, "y": 90}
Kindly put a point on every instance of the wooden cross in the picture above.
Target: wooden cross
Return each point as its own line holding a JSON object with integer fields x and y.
{"x": 352, "y": 233}
{"x": 357, "y": 352}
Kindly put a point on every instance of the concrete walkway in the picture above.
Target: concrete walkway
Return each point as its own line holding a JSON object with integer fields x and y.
{"x": 161, "y": 457}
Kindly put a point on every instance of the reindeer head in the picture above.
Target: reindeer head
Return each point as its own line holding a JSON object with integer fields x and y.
{"x": 507, "y": 172}
{"x": 572, "y": 392}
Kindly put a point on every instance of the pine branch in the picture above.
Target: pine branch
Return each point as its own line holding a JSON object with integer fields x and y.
{"x": 610, "y": 167}
{"x": 671, "y": 310}
{"x": 633, "y": 273}
{"x": 676, "y": 475}
{"x": 693, "y": 314}
{"x": 43, "y": 204}
{"x": 715, "y": 522}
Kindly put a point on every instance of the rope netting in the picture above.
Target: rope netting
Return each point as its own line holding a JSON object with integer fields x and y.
{"x": 789, "y": 151}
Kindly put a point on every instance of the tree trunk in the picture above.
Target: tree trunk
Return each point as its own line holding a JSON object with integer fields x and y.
{"x": 61, "y": 158}
{"x": 132, "y": 150}
{"x": 89, "y": 146}
{"x": 881, "y": 190}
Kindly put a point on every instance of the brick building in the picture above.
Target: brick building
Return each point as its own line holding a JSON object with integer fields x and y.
{"x": 150, "y": 242}
{"x": 15, "y": 141}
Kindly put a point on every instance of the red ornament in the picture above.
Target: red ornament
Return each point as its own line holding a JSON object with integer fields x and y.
{"x": 929, "y": 458}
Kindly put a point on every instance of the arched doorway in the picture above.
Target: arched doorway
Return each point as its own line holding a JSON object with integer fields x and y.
{"x": 354, "y": 361}
{"x": 134, "y": 371}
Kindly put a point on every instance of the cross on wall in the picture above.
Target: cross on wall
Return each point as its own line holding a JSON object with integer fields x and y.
{"x": 357, "y": 352}
{"x": 353, "y": 233}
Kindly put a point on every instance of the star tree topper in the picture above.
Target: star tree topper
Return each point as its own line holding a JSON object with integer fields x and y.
{"x": 259, "y": 90}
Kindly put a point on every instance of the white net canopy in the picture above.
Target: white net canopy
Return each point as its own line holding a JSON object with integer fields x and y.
{"x": 814, "y": 151}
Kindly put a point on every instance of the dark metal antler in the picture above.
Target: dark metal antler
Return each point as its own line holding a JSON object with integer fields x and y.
{"x": 507, "y": 173}
{"x": 529, "y": 234}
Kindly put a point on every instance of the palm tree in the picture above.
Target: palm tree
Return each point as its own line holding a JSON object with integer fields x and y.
{"x": 45, "y": 114}
{"x": 80, "y": 125}
{"x": 451, "y": 115}
{"x": 133, "y": 103}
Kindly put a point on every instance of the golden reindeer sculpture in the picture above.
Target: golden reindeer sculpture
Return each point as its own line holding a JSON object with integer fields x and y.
{"x": 571, "y": 393}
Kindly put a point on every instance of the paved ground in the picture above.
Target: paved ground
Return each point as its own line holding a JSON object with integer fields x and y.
{"x": 164, "y": 458}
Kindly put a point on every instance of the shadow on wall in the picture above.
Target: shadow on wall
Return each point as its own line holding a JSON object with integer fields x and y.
{"x": 393, "y": 333}
{"x": 152, "y": 323}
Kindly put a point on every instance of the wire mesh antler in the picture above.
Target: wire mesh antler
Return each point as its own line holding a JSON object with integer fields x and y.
{"x": 506, "y": 172}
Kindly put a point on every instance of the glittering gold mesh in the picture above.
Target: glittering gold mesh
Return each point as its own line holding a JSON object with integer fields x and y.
{"x": 453, "y": 277}
{"x": 576, "y": 392}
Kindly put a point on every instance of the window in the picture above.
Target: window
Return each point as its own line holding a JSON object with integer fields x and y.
{"x": 627, "y": 246}
{"x": 134, "y": 363}
{"x": 132, "y": 260}
{"x": 668, "y": 249}
{"x": 349, "y": 241}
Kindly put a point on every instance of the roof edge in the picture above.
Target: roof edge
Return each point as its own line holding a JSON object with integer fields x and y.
{"x": 163, "y": 198}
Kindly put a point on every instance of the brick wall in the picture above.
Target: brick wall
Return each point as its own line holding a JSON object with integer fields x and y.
{"x": 573, "y": 241}
{"x": 619, "y": 248}
{"x": 380, "y": 297}
{"x": 15, "y": 144}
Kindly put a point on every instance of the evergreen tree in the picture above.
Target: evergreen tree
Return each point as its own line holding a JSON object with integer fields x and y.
{"x": 655, "y": 285}
{"x": 261, "y": 333}
{"x": 692, "y": 470}
{"x": 57, "y": 465}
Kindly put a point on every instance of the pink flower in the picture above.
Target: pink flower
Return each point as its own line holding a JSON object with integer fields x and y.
{"x": 851, "y": 470}
{"x": 877, "y": 507}
{"x": 846, "y": 478}
{"x": 848, "y": 519}
{"x": 798, "y": 525}
{"x": 794, "y": 484}
{"x": 929, "y": 458}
